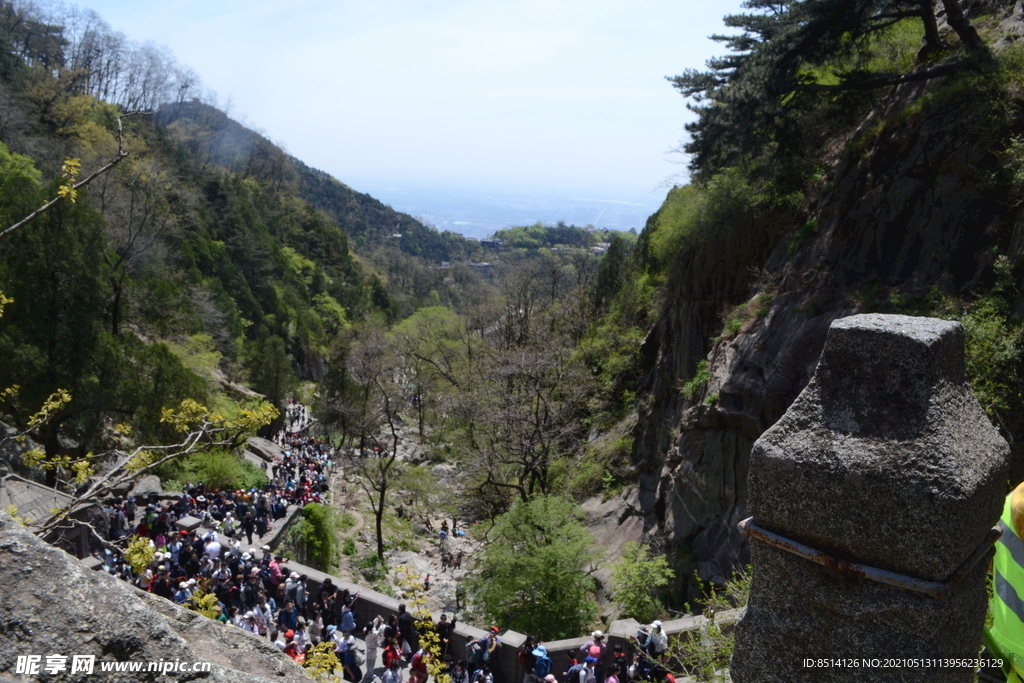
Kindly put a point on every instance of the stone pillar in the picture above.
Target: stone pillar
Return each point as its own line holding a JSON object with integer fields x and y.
{"x": 886, "y": 459}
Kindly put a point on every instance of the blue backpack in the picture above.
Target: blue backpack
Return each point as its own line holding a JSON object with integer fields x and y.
{"x": 542, "y": 663}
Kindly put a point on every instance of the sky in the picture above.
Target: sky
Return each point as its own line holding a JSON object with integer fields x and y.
{"x": 517, "y": 96}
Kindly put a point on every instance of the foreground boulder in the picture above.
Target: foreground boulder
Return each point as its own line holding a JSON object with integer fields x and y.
{"x": 51, "y": 604}
{"x": 885, "y": 460}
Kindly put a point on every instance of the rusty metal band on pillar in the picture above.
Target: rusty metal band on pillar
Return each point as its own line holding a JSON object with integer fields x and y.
{"x": 938, "y": 590}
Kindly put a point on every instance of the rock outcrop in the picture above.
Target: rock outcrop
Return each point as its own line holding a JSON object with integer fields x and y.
{"x": 905, "y": 205}
{"x": 50, "y": 603}
{"x": 886, "y": 459}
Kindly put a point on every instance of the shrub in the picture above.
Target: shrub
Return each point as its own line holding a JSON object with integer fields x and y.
{"x": 532, "y": 576}
{"x": 706, "y": 655}
{"x": 216, "y": 469}
{"x": 636, "y": 579}
{"x": 314, "y": 538}
{"x": 699, "y": 381}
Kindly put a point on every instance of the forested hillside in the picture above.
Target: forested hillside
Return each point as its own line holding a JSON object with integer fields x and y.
{"x": 205, "y": 257}
{"x": 205, "y": 263}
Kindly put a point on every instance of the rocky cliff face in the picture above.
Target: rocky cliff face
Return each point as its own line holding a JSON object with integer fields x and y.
{"x": 52, "y": 604}
{"x": 910, "y": 200}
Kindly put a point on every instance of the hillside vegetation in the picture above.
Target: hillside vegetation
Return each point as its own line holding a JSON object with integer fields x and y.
{"x": 846, "y": 157}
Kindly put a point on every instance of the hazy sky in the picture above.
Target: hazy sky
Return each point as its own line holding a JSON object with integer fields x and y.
{"x": 565, "y": 95}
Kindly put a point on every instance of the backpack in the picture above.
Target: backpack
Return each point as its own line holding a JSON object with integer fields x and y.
{"x": 542, "y": 666}
{"x": 573, "y": 674}
{"x": 595, "y": 651}
{"x": 522, "y": 654}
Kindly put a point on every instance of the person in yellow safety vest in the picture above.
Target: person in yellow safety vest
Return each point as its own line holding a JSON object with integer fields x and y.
{"x": 1007, "y": 605}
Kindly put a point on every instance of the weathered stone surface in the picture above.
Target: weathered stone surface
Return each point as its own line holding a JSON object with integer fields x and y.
{"x": 51, "y": 603}
{"x": 887, "y": 459}
{"x": 264, "y": 448}
{"x": 149, "y": 483}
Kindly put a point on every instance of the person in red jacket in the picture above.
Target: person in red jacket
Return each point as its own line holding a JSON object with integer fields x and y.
{"x": 418, "y": 667}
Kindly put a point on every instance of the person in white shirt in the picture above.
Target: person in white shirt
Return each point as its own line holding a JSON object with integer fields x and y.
{"x": 212, "y": 549}
{"x": 372, "y": 637}
{"x": 249, "y": 623}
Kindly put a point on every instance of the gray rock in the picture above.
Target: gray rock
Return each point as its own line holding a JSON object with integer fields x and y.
{"x": 149, "y": 483}
{"x": 886, "y": 459}
{"x": 265, "y": 449}
{"x": 52, "y": 604}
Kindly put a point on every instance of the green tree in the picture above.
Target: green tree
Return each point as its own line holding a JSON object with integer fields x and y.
{"x": 612, "y": 272}
{"x": 791, "y": 51}
{"x": 533, "y": 576}
{"x": 636, "y": 579}
{"x": 315, "y": 537}
{"x": 270, "y": 370}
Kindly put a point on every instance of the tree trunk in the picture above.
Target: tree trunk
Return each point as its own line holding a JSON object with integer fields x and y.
{"x": 965, "y": 31}
{"x": 932, "y": 42}
{"x": 379, "y": 514}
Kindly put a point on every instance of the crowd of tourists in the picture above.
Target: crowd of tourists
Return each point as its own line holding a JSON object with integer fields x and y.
{"x": 252, "y": 587}
{"x": 594, "y": 662}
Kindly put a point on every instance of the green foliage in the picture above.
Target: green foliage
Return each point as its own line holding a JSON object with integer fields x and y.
{"x": 741, "y": 317}
{"x": 602, "y": 469}
{"x": 533, "y": 575}
{"x": 796, "y": 63}
{"x": 346, "y": 520}
{"x": 995, "y": 356}
{"x": 204, "y": 602}
{"x": 321, "y": 662}
{"x": 636, "y": 578}
{"x": 803, "y": 233}
{"x": 348, "y": 548}
{"x": 537, "y": 236}
{"x": 690, "y": 211}
{"x": 373, "y": 569}
{"x": 139, "y": 554}
{"x": 198, "y": 353}
{"x": 706, "y": 655}
{"x": 698, "y": 382}
{"x": 612, "y": 272}
{"x": 315, "y": 537}
{"x": 218, "y": 468}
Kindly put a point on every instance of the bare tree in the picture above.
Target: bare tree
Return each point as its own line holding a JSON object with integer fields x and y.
{"x": 375, "y": 462}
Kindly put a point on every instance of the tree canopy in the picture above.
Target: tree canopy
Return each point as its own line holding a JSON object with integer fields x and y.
{"x": 533, "y": 576}
{"x": 789, "y": 51}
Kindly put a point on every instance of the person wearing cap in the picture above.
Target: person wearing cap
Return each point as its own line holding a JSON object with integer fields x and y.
{"x": 587, "y": 674}
{"x": 597, "y": 649}
{"x": 658, "y": 641}
{"x": 181, "y": 595}
{"x": 249, "y": 623}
